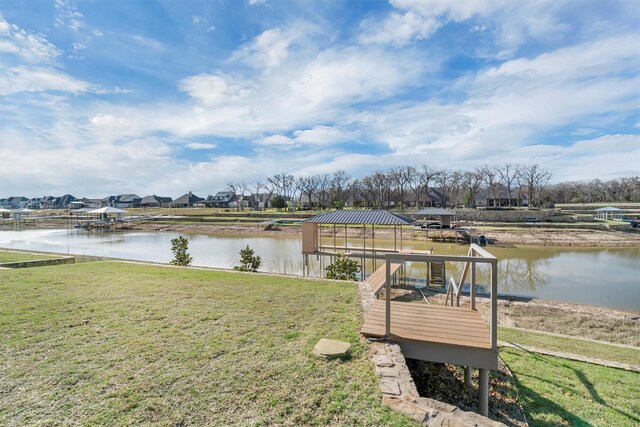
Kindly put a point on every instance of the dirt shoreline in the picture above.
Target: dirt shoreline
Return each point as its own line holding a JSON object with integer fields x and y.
{"x": 529, "y": 236}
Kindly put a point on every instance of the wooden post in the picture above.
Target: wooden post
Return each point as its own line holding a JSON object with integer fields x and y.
{"x": 346, "y": 244}
{"x": 494, "y": 304}
{"x": 468, "y": 376}
{"x": 483, "y": 382}
{"x": 388, "y": 299}
{"x": 395, "y": 230}
{"x": 334, "y": 238}
{"x": 473, "y": 285}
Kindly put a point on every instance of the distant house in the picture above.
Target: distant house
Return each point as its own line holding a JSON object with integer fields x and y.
{"x": 222, "y": 199}
{"x": 188, "y": 200}
{"x": 85, "y": 202}
{"x": 261, "y": 200}
{"x": 14, "y": 203}
{"x": 156, "y": 202}
{"x": 500, "y": 197}
{"x": 122, "y": 201}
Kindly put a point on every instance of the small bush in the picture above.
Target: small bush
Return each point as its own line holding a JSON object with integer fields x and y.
{"x": 180, "y": 247}
{"x": 249, "y": 261}
{"x": 343, "y": 268}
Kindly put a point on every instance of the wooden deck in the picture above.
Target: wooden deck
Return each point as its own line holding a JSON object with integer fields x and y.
{"x": 378, "y": 278}
{"x": 437, "y": 333}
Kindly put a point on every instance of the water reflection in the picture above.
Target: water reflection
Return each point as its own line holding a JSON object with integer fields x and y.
{"x": 588, "y": 275}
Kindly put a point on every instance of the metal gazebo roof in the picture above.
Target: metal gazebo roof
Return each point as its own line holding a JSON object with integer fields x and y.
{"x": 609, "y": 209}
{"x": 436, "y": 211}
{"x": 107, "y": 209}
{"x": 376, "y": 217}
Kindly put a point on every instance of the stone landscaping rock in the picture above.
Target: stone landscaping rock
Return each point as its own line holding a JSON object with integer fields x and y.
{"x": 383, "y": 361}
{"x": 331, "y": 349}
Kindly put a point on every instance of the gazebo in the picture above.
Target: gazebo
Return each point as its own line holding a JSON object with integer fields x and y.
{"x": 446, "y": 215}
{"x": 104, "y": 213}
{"x": 311, "y": 231}
{"x": 609, "y": 213}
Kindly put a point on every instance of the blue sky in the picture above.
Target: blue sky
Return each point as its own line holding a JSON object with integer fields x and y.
{"x": 107, "y": 97}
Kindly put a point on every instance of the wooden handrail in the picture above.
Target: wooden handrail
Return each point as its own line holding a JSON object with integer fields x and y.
{"x": 475, "y": 255}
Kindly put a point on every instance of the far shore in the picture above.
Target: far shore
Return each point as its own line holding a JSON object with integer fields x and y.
{"x": 496, "y": 236}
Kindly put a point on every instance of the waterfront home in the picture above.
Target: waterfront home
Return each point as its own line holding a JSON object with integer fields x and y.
{"x": 14, "y": 203}
{"x": 122, "y": 201}
{"x": 188, "y": 200}
{"x": 156, "y": 202}
{"x": 222, "y": 199}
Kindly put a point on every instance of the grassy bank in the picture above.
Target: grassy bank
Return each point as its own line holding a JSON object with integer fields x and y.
{"x": 559, "y": 392}
{"x": 106, "y": 343}
{"x": 570, "y": 345}
{"x": 11, "y": 256}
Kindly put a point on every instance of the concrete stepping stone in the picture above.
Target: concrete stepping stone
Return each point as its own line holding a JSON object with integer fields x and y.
{"x": 331, "y": 349}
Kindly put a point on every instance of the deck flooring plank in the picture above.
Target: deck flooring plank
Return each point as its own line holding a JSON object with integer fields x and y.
{"x": 439, "y": 324}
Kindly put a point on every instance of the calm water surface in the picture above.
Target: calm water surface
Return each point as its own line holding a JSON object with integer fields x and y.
{"x": 607, "y": 277}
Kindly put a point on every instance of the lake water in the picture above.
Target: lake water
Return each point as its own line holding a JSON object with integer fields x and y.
{"x": 599, "y": 276}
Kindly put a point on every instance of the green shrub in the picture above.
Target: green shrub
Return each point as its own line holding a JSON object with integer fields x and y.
{"x": 249, "y": 261}
{"x": 179, "y": 247}
{"x": 343, "y": 268}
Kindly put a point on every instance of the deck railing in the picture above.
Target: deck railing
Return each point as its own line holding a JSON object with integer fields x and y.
{"x": 476, "y": 255}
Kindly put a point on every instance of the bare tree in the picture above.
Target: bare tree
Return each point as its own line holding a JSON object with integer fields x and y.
{"x": 472, "y": 182}
{"x": 490, "y": 179}
{"x": 256, "y": 188}
{"x": 534, "y": 179}
{"x": 401, "y": 177}
{"x": 339, "y": 183}
{"x": 243, "y": 187}
{"x": 427, "y": 176}
{"x": 234, "y": 187}
{"x": 508, "y": 175}
{"x": 284, "y": 183}
{"x": 324, "y": 184}
{"x": 443, "y": 180}
{"x": 308, "y": 186}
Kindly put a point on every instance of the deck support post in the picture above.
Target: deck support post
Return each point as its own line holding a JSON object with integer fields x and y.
{"x": 483, "y": 382}
{"x": 468, "y": 376}
{"x": 388, "y": 299}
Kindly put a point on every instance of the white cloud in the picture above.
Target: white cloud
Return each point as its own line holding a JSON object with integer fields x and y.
{"x": 256, "y": 2}
{"x": 200, "y": 146}
{"x": 513, "y": 23}
{"x": 354, "y": 75}
{"x": 275, "y": 140}
{"x": 38, "y": 79}
{"x": 33, "y": 48}
{"x": 213, "y": 89}
{"x": 267, "y": 50}
{"x": 400, "y": 29}
{"x": 322, "y": 135}
{"x": 68, "y": 15}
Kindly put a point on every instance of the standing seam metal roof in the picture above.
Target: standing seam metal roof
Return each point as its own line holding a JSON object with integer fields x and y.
{"x": 377, "y": 217}
{"x": 436, "y": 211}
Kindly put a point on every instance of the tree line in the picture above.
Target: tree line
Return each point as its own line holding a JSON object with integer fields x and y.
{"x": 509, "y": 184}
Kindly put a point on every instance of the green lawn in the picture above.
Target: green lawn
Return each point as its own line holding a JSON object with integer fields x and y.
{"x": 559, "y": 392}
{"x": 569, "y": 345}
{"x": 10, "y": 256}
{"x": 110, "y": 343}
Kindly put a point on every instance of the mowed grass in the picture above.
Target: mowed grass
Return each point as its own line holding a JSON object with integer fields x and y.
{"x": 11, "y": 256}
{"x": 560, "y": 392}
{"x": 111, "y": 343}
{"x": 570, "y": 345}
